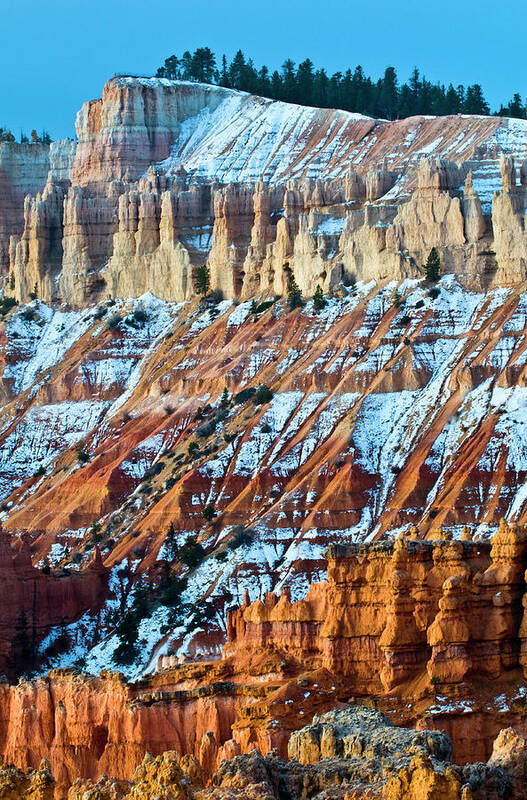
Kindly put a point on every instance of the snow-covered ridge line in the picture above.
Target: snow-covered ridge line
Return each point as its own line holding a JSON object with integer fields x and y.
{"x": 232, "y": 136}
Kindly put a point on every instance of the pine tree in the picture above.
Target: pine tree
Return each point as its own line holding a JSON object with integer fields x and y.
{"x": 203, "y": 64}
{"x": 294, "y": 295}
{"x": 305, "y": 78}
{"x": 318, "y": 299}
{"x": 170, "y": 68}
{"x": 171, "y": 542}
{"x": 192, "y": 553}
{"x": 203, "y": 279}
{"x": 186, "y": 66}
{"x": 95, "y": 534}
{"x": 237, "y": 70}
{"x": 475, "y": 103}
{"x": 224, "y": 402}
{"x": 224, "y": 75}
{"x": 351, "y": 90}
{"x": 289, "y": 81}
{"x": 433, "y": 265}
{"x": 389, "y": 95}
{"x": 22, "y": 650}
{"x": 63, "y": 639}
{"x": 254, "y": 307}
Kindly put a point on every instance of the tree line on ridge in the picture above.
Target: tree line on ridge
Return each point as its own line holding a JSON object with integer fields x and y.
{"x": 351, "y": 90}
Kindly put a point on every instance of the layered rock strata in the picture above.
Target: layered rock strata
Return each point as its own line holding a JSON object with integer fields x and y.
{"x": 391, "y": 406}
{"x": 33, "y": 602}
{"x": 167, "y": 176}
{"x": 390, "y": 611}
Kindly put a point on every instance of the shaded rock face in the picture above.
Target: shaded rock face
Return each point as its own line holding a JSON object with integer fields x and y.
{"x": 509, "y": 753}
{"x": 33, "y": 603}
{"x": 25, "y": 169}
{"x": 167, "y": 176}
{"x": 393, "y": 763}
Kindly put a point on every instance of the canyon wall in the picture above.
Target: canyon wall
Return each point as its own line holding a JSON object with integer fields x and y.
{"x": 417, "y": 628}
{"x": 167, "y": 176}
{"x": 398, "y": 403}
{"x": 34, "y": 602}
{"x": 89, "y": 726}
{"x": 352, "y": 753}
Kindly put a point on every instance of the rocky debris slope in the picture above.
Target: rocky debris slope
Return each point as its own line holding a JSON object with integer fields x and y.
{"x": 34, "y": 784}
{"x": 362, "y": 732}
{"x": 168, "y": 776}
{"x": 167, "y": 176}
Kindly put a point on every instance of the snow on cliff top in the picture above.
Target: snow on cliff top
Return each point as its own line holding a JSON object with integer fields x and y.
{"x": 244, "y": 138}
{"x": 231, "y": 136}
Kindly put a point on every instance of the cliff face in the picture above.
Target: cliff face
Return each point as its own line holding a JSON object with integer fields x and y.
{"x": 169, "y": 175}
{"x": 33, "y": 602}
{"x": 354, "y": 752}
{"x": 23, "y": 170}
{"x": 390, "y": 612}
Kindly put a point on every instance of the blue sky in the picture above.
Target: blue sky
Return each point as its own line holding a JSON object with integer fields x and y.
{"x": 56, "y": 54}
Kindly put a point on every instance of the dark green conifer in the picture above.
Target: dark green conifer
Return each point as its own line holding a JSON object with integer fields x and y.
{"x": 319, "y": 300}
{"x": 433, "y": 265}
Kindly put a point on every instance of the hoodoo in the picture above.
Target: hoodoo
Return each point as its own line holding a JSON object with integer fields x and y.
{"x": 167, "y": 175}
{"x": 263, "y": 452}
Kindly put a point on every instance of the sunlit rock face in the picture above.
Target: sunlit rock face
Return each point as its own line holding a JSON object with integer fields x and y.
{"x": 398, "y": 407}
{"x": 167, "y": 175}
{"x": 390, "y": 611}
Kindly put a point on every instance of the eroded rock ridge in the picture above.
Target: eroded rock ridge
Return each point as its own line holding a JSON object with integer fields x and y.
{"x": 167, "y": 176}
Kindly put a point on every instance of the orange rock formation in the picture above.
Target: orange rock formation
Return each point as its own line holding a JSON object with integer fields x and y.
{"x": 391, "y": 610}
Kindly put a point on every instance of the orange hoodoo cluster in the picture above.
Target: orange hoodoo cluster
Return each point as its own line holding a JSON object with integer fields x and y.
{"x": 391, "y": 610}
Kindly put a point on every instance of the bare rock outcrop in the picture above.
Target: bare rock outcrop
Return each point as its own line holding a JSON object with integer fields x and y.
{"x": 362, "y": 732}
{"x": 35, "y": 784}
{"x": 334, "y": 198}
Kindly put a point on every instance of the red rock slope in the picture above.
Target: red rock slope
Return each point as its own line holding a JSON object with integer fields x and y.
{"x": 390, "y": 408}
